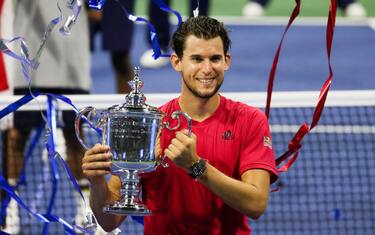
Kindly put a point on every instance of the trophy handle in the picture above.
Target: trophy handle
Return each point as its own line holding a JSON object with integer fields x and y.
{"x": 176, "y": 115}
{"x": 91, "y": 111}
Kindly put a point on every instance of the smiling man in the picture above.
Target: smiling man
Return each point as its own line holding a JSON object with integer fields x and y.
{"x": 219, "y": 175}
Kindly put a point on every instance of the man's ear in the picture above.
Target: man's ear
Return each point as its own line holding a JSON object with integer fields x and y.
{"x": 227, "y": 61}
{"x": 175, "y": 62}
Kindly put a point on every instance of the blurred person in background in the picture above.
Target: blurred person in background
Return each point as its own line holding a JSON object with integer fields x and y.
{"x": 160, "y": 19}
{"x": 64, "y": 69}
{"x": 117, "y": 36}
{"x": 351, "y": 8}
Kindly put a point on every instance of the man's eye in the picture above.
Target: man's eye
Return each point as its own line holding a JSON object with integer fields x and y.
{"x": 216, "y": 59}
{"x": 196, "y": 59}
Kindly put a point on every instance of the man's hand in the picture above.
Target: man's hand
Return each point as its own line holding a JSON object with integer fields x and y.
{"x": 182, "y": 150}
{"x": 96, "y": 163}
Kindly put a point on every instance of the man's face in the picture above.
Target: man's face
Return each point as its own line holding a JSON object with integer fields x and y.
{"x": 202, "y": 66}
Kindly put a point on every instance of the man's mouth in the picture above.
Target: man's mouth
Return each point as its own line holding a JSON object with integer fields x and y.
{"x": 205, "y": 80}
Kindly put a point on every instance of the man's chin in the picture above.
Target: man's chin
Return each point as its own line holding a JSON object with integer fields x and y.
{"x": 206, "y": 95}
{"x": 202, "y": 92}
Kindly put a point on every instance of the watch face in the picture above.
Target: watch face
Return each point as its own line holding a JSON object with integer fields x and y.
{"x": 196, "y": 171}
{"x": 198, "y": 168}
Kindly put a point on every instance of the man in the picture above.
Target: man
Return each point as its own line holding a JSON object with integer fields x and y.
{"x": 230, "y": 146}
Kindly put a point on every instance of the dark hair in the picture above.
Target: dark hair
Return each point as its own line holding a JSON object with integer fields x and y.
{"x": 201, "y": 27}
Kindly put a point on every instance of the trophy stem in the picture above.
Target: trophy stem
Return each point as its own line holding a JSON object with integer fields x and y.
{"x": 130, "y": 187}
{"x": 129, "y": 202}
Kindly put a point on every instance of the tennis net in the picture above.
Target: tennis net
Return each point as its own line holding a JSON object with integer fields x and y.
{"x": 329, "y": 190}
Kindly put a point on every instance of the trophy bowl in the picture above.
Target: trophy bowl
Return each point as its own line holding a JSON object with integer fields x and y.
{"x": 131, "y": 131}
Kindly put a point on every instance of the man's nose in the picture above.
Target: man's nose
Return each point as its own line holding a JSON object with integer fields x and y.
{"x": 207, "y": 66}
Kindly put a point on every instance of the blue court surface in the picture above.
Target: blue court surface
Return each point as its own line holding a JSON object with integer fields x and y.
{"x": 302, "y": 65}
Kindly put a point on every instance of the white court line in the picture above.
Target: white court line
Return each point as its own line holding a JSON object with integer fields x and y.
{"x": 300, "y": 21}
{"x": 327, "y": 129}
{"x": 283, "y": 20}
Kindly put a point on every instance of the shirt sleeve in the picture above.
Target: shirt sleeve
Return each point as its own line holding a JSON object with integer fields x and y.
{"x": 256, "y": 147}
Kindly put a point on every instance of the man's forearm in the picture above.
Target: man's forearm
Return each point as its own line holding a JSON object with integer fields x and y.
{"x": 100, "y": 196}
{"x": 248, "y": 199}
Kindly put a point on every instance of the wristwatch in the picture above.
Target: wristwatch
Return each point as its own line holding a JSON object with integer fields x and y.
{"x": 197, "y": 169}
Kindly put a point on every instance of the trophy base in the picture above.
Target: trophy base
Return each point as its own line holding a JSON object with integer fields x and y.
{"x": 135, "y": 210}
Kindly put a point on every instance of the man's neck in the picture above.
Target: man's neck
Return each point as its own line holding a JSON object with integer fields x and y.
{"x": 199, "y": 109}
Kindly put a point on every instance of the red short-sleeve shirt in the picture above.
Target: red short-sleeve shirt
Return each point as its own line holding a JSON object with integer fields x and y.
{"x": 234, "y": 139}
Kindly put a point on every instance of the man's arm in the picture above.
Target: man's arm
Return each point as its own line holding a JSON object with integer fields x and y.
{"x": 248, "y": 195}
{"x": 95, "y": 165}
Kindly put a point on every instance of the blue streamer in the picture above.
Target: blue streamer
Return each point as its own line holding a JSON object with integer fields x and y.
{"x": 51, "y": 118}
{"x": 151, "y": 27}
{"x": 154, "y": 40}
{"x": 75, "y": 6}
{"x": 26, "y": 62}
{"x": 153, "y": 34}
{"x": 10, "y": 190}
{"x": 71, "y": 177}
{"x": 34, "y": 141}
{"x": 51, "y": 25}
{"x": 97, "y": 4}
{"x": 163, "y": 6}
{"x": 22, "y": 178}
{"x": 19, "y": 103}
{"x": 9, "y": 109}
{"x": 53, "y": 218}
{"x": 24, "y": 49}
{"x": 52, "y": 155}
{"x": 75, "y": 109}
{"x": 64, "y": 99}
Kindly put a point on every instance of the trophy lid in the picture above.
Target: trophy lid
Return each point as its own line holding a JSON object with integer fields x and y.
{"x": 135, "y": 101}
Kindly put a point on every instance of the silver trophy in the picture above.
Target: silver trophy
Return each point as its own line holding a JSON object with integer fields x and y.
{"x": 131, "y": 131}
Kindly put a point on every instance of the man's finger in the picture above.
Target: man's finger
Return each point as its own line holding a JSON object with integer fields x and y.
{"x": 181, "y": 136}
{"x": 98, "y": 148}
{"x": 95, "y": 173}
{"x": 170, "y": 154}
{"x": 100, "y": 157}
{"x": 178, "y": 144}
{"x": 174, "y": 150}
{"x": 97, "y": 166}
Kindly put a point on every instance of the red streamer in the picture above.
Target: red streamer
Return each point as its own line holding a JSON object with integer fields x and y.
{"x": 291, "y": 155}
{"x": 3, "y": 78}
{"x": 271, "y": 78}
